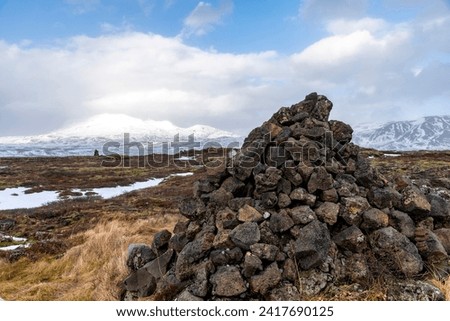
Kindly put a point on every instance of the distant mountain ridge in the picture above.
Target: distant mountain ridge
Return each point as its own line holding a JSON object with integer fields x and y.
{"x": 83, "y": 138}
{"x": 427, "y": 133}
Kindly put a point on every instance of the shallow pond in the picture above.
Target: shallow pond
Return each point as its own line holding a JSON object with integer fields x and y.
{"x": 15, "y": 198}
{"x": 20, "y": 242}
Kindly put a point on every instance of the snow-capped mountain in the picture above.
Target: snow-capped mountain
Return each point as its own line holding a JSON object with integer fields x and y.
{"x": 427, "y": 133}
{"x": 83, "y": 138}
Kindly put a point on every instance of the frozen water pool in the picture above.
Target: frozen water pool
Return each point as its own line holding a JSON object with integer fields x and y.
{"x": 15, "y": 198}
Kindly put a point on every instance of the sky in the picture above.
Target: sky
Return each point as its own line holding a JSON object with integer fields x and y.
{"x": 229, "y": 64}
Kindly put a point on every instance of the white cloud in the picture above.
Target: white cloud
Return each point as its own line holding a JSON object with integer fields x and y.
{"x": 318, "y": 10}
{"x": 110, "y": 28}
{"x": 349, "y": 48}
{"x": 205, "y": 17}
{"x": 83, "y": 6}
{"x": 144, "y": 75}
{"x": 345, "y": 26}
{"x": 147, "y": 6}
{"x": 373, "y": 70}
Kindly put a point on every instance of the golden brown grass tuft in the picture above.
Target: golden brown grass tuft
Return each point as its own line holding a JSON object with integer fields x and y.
{"x": 90, "y": 270}
{"x": 444, "y": 286}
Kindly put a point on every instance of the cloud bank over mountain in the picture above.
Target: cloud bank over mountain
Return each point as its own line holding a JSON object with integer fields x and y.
{"x": 390, "y": 68}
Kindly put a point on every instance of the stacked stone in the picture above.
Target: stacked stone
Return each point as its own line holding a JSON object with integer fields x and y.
{"x": 297, "y": 210}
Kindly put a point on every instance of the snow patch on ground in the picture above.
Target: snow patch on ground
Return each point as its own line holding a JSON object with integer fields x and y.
{"x": 13, "y": 198}
{"x": 182, "y": 174}
{"x": 185, "y": 158}
{"x": 21, "y": 240}
{"x": 15, "y": 247}
{"x": 110, "y": 192}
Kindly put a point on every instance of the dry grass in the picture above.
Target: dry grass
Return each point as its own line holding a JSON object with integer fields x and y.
{"x": 377, "y": 292}
{"x": 81, "y": 255}
{"x": 444, "y": 286}
{"x": 90, "y": 270}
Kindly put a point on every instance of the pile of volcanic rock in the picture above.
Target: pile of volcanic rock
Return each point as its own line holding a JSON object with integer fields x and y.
{"x": 296, "y": 211}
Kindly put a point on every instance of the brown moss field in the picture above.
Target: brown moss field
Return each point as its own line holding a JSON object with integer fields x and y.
{"x": 79, "y": 246}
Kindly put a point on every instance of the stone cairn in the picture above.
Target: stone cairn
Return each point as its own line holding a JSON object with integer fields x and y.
{"x": 297, "y": 210}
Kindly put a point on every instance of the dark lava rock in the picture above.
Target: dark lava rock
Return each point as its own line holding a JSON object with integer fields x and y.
{"x": 203, "y": 186}
{"x": 366, "y": 175}
{"x": 269, "y": 199}
{"x": 220, "y": 197}
{"x": 414, "y": 201}
{"x": 403, "y": 223}
{"x": 440, "y": 208}
{"x": 285, "y": 292}
{"x": 266, "y": 280}
{"x": 141, "y": 283}
{"x": 311, "y": 248}
{"x": 192, "y": 252}
{"x": 161, "y": 240}
{"x": 341, "y": 131}
{"x": 245, "y": 235}
{"x": 264, "y": 251}
{"x": 158, "y": 267}
{"x": 320, "y": 180}
{"x": 280, "y": 222}
{"x": 300, "y": 194}
{"x": 226, "y": 219}
{"x": 352, "y": 239}
{"x": 328, "y": 212}
{"x": 177, "y": 242}
{"x": 302, "y": 214}
{"x": 251, "y": 265}
{"x": 396, "y": 251}
{"x": 239, "y": 202}
{"x": 386, "y": 197}
{"x": 139, "y": 255}
{"x": 374, "y": 219}
{"x": 192, "y": 208}
{"x": 268, "y": 181}
{"x": 353, "y": 208}
{"x": 284, "y": 200}
{"x": 233, "y": 185}
{"x": 444, "y": 237}
{"x": 228, "y": 282}
{"x": 413, "y": 290}
{"x": 249, "y": 214}
{"x": 226, "y": 256}
{"x": 329, "y": 195}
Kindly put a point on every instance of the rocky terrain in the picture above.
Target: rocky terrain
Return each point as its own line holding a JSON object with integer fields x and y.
{"x": 76, "y": 246}
{"x": 299, "y": 212}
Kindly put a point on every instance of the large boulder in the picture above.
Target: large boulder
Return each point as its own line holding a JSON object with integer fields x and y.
{"x": 228, "y": 282}
{"x": 414, "y": 201}
{"x": 311, "y": 247}
{"x": 245, "y": 235}
{"x": 444, "y": 237}
{"x": 138, "y": 255}
{"x": 396, "y": 251}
